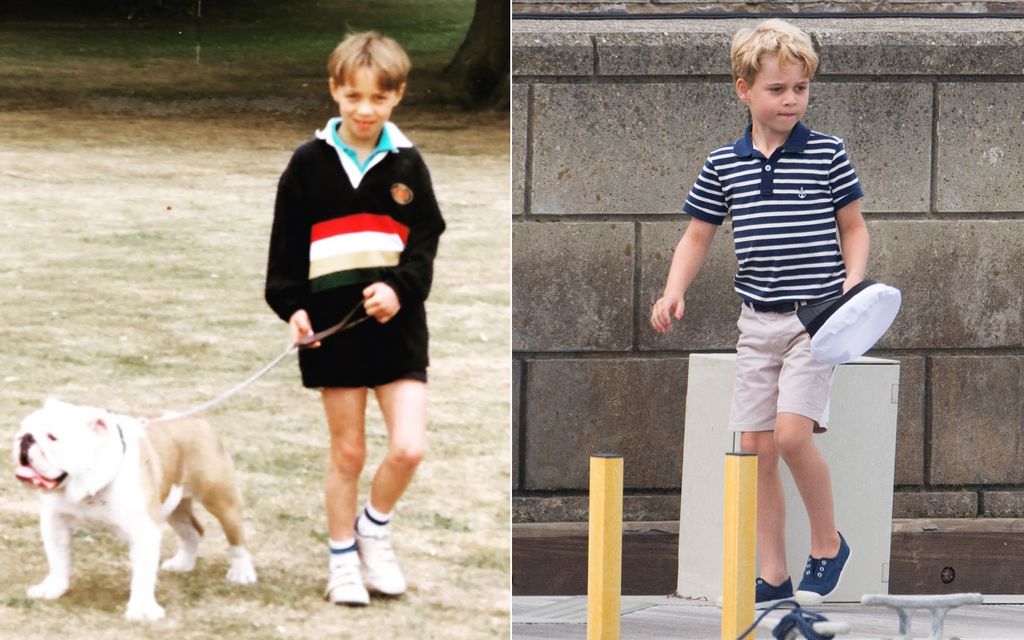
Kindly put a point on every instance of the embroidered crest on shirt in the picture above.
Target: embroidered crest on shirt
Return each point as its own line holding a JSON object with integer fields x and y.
{"x": 801, "y": 195}
{"x": 401, "y": 193}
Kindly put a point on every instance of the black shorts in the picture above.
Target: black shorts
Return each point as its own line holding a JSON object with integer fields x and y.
{"x": 420, "y": 375}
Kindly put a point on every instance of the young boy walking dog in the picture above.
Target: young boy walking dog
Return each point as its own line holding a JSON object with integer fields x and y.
{"x": 800, "y": 238}
{"x": 356, "y": 223}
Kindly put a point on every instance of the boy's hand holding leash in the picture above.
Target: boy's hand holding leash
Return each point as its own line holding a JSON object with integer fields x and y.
{"x": 299, "y": 326}
{"x": 381, "y": 302}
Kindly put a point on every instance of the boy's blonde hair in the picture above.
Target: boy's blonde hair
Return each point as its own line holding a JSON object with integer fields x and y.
{"x": 775, "y": 37}
{"x": 369, "y": 49}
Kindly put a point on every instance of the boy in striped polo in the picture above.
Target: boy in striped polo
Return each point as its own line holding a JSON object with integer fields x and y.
{"x": 800, "y": 238}
{"x": 356, "y": 222}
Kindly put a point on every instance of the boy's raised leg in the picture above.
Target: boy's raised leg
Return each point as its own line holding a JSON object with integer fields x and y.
{"x": 794, "y": 439}
{"x": 404, "y": 405}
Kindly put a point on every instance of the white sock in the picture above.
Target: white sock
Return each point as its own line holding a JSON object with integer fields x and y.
{"x": 372, "y": 522}
{"x": 342, "y": 551}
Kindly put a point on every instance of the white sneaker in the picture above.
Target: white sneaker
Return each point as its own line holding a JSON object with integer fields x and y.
{"x": 380, "y": 568}
{"x": 345, "y": 585}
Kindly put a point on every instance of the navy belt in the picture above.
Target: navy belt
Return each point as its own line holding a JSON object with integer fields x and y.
{"x": 777, "y": 307}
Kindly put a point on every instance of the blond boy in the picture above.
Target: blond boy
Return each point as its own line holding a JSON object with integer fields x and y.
{"x": 800, "y": 238}
{"x": 356, "y": 224}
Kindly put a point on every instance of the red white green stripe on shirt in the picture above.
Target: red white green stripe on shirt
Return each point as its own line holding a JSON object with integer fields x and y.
{"x": 354, "y": 248}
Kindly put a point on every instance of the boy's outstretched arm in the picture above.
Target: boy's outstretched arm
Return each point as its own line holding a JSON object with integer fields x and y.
{"x": 689, "y": 255}
{"x": 855, "y": 243}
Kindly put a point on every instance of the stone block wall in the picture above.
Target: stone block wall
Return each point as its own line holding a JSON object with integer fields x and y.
{"x": 612, "y": 120}
{"x": 642, "y": 7}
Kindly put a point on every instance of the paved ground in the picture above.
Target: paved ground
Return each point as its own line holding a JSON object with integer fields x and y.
{"x": 652, "y": 617}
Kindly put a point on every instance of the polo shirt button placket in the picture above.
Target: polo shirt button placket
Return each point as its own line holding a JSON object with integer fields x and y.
{"x": 766, "y": 179}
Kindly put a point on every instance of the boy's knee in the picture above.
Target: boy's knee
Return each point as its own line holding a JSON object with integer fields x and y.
{"x": 407, "y": 454}
{"x": 790, "y": 443}
{"x": 348, "y": 456}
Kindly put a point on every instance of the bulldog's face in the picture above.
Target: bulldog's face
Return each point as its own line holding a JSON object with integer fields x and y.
{"x": 58, "y": 441}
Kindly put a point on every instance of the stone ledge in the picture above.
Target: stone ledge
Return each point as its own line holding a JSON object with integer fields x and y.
{"x": 948, "y": 504}
{"x": 552, "y": 53}
{"x": 561, "y": 509}
{"x": 848, "y": 46}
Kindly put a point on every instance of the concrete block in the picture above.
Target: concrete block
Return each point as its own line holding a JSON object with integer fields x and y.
{"x": 520, "y": 130}
{"x": 573, "y": 286}
{"x": 962, "y": 281}
{"x": 625, "y": 148}
{"x": 977, "y": 411}
{"x": 633, "y": 407}
{"x": 673, "y": 53}
{"x": 517, "y": 435}
{"x": 860, "y": 450}
{"x": 918, "y": 46}
{"x": 887, "y": 127}
{"x": 565, "y": 508}
{"x": 935, "y": 504}
{"x": 1002, "y": 504}
{"x": 910, "y": 439}
{"x": 552, "y": 53}
{"x": 980, "y": 157}
{"x": 712, "y": 305}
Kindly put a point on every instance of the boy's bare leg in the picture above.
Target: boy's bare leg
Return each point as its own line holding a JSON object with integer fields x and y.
{"x": 794, "y": 440}
{"x": 771, "y": 506}
{"x": 346, "y": 411}
{"x": 404, "y": 406}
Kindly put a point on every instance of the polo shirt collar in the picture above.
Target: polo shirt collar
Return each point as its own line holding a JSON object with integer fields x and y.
{"x": 795, "y": 143}
{"x": 391, "y": 140}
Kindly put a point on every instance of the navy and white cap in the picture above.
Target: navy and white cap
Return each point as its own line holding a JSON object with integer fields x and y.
{"x": 843, "y": 329}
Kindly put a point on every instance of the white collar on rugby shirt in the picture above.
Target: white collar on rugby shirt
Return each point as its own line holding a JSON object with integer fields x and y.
{"x": 355, "y": 176}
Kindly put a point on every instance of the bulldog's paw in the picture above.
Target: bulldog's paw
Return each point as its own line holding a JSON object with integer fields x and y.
{"x": 49, "y": 589}
{"x": 144, "y": 610}
{"x": 241, "y": 570}
{"x": 180, "y": 562}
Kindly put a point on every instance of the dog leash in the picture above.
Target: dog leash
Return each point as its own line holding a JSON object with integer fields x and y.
{"x": 345, "y": 323}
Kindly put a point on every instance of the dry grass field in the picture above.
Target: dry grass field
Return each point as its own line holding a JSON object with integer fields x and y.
{"x": 131, "y": 278}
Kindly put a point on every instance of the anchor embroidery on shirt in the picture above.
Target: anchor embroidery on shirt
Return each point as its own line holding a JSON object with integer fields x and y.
{"x": 801, "y": 195}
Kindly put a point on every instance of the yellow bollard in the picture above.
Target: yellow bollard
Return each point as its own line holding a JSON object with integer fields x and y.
{"x": 739, "y": 544}
{"x": 604, "y": 558}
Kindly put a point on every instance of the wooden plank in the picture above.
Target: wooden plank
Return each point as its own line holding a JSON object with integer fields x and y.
{"x": 957, "y": 562}
{"x": 985, "y": 555}
{"x": 558, "y": 565}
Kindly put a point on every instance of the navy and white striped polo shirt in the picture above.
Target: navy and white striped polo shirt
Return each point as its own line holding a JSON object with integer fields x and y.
{"x": 783, "y": 213}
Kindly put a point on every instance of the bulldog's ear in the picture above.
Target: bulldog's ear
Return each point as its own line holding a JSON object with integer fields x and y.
{"x": 99, "y": 425}
{"x": 52, "y": 403}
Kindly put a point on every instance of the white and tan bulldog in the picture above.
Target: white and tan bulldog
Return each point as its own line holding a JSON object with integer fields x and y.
{"x": 91, "y": 465}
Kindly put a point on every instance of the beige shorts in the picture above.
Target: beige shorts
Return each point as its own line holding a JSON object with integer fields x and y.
{"x": 775, "y": 373}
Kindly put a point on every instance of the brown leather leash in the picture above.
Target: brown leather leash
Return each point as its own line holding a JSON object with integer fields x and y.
{"x": 345, "y": 323}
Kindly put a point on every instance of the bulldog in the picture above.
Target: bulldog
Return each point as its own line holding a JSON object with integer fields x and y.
{"x": 94, "y": 466}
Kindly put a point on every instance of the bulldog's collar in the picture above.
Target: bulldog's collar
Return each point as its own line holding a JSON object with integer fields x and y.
{"x": 124, "y": 452}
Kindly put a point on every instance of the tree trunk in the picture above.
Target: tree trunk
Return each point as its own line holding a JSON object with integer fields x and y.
{"x": 478, "y": 74}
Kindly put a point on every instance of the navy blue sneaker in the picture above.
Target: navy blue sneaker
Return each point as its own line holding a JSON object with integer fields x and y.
{"x": 765, "y": 595}
{"x": 822, "y": 575}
